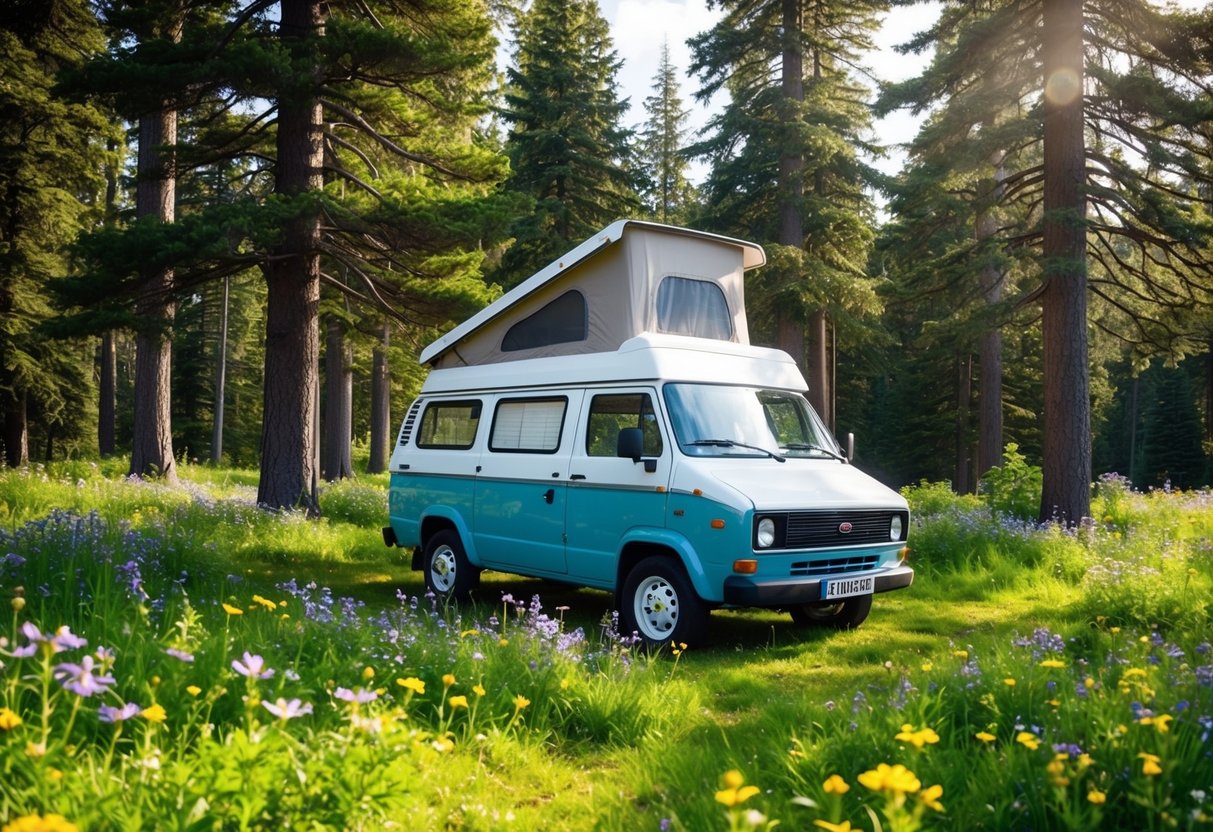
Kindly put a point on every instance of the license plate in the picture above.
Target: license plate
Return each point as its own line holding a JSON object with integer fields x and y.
{"x": 847, "y": 587}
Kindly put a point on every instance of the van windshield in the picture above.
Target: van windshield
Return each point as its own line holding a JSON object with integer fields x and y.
{"x": 719, "y": 420}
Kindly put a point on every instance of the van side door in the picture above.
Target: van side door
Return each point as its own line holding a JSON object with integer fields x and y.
{"x": 608, "y": 495}
{"x": 522, "y": 483}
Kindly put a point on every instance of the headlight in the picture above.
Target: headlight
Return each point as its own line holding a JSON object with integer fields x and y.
{"x": 895, "y": 528}
{"x": 766, "y": 532}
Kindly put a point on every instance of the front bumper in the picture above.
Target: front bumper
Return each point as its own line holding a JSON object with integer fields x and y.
{"x": 744, "y": 591}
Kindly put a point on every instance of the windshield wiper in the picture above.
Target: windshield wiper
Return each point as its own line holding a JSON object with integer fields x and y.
{"x": 805, "y": 446}
{"x": 729, "y": 443}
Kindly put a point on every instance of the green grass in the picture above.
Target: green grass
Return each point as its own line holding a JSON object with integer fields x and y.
{"x": 564, "y": 732}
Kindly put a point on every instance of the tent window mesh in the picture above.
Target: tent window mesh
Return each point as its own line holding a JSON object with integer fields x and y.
{"x": 693, "y": 307}
{"x": 559, "y": 322}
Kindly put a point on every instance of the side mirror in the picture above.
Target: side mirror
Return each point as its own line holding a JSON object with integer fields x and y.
{"x": 850, "y": 447}
{"x": 630, "y": 444}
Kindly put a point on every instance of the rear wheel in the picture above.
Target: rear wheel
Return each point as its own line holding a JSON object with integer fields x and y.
{"x": 841, "y": 615}
{"x": 448, "y": 574}
{"x": 660, "y": 604}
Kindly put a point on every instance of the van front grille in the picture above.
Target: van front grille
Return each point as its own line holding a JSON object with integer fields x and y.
{"x": 833, "y": 566}
{"x": 824, "y": 529}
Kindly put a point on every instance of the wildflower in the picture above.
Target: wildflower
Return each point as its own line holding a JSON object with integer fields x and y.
{"x": 80, "y": 678}
{"x": 961, "y": 654}
{"x": 17, "y": 603}
{"x": 985, "y": 736}
{"x": 521, "y": 702}
{"x": 252, "y": 667}
{"x": 448, "y": 679}
{"x": 1009, "y": 682}
{"x": 1162, "y": 722}
{"x": 193, "y": 690}
{"x": 917, "y": 738}
{"x": 230, "y": 610}
{"x": 287, "y": 710}
{"x": 8, "y": 719}
{"x": 412, "y": 683}
{"x": 845, "y": 826}
{"x": 458, "y": 701}
{"x": 443, "y": 745}
{"x": 358, "y": 696}
{"x": 63, "y": 639}
{"x": 734, "y": 793}
{"x": 265, "y": 603}
{"x": 108, "y": 713}
{"x": 834, "y": 784}
{"x": 368, "y": 673}
{"x": 897, "y": 781}
{"x": 40, "y": 823}
{"x": 1028, "y": 739}
{"x": 154, "y": 713}
{"x": 479, "y": 690}
{"x": 1053, "y": 663}
{"x": 927, "y": 667}
{"x": 929, "y": 797}
{"x": 1150, "y": 764}
{"x": 504, "y": 642}
{"x": 180, "y": 655}
{"x": 1097, "y": 797}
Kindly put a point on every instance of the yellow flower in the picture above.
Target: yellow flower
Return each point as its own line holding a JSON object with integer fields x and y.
{"x": 230, "y": 610}
{"x": 897, "y": 780}
{"x": 412, "y": 683}
{"x": 1149, "y": 766}
{"x": 1088, "y": 682}
{"x": 1054, "y": 663}
{"x": 443, "y": 745}
{"x": 927, "y": 667}
{"x": 845, "y": 826}
{"x": 193, "y": 690}
{"x": 265, "y": 602}
{"x": 368, "y": 673}
{"x": 504, "y": 642}
{"x": 834, "y": 784}
{"x": 459, "y": 701}
{"x": 960, "y": 654}
{"x": 1162, "y": 722}
{"x": 1132, "y": 672}
{"x": 478, "y": 690}
{"x": 917, "y": 738}
{"x": 734, "y": 793}
{"x": 1027, "y": 738}
{"x": 154, "y": 713}
{"x": 985, "y": 736}
{"x": 521, "y": 701}
{"x": 1009, "y": 682}
{"x": 929, "y": 797}
{"x": 39, "y": 823}
{"x": 467, "y": 633}
{"x": 1097, "y": 797}
{"x": 448, "y": 679}
{"x": 8, "y": 719}
{"x": 1113, "y": 630}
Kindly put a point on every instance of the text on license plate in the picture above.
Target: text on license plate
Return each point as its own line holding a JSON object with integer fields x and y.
{"x": 847, "y": 587}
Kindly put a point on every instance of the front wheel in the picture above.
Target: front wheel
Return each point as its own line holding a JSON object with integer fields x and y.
{"x": 448, "y": 573}
{"x": 841, "y": 615}
{"x": 660, "y": 604}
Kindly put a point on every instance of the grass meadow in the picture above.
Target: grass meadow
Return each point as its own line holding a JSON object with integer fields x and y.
{"x": 177, "y": 659}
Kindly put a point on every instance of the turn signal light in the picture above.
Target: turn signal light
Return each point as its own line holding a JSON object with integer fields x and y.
{"x": 904, "y": 554}
{"x": 717, "y": 524}
{"x": 745, "y": 567}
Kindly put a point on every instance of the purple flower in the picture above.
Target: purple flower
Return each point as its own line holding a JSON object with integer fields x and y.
{"x": 287, "y": 710}
{"x": 108, "y": 713}
{"x": 360, "y": 695}
{"x": 253, "y": 667}
{"x": 181, "y": 655}
{"x": 81, "y": 679}
{"x": 63, "y": 639}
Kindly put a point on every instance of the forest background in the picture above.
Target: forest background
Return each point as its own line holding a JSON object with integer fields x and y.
{"x": 227, "y": 229}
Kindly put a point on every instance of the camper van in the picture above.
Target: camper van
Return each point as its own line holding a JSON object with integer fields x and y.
{"x": 608, "y": 424}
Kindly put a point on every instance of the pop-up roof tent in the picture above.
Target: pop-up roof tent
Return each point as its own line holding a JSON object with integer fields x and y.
{"x": 630, "y": 278}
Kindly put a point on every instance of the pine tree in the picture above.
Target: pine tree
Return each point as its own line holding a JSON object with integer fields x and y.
{"x": 668, "y": 195}
{"x": 51, "y": 152}
{"x": 786, "y": 167}
{"x": 566, "y": 147}
{"x": 1097, "y": 110}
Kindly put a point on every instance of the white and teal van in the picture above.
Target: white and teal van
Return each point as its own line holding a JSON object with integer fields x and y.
{"x": 607, "y": 424}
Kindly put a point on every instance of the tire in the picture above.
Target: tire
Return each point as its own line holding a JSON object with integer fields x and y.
{"x": 841, "y": 615}
{"x": 661, "y": 606}
{"x": 448, "y": 573}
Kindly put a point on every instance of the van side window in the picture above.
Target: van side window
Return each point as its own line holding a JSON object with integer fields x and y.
{"x": 613, "y": 412}
{"x": 559, "y": 322}
{"x": 693, "y": 307}
{"x": 450, "y": 425}
{"x": 528, "y": 425}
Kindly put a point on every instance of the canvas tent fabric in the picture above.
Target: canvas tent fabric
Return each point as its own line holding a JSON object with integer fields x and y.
{"x": 631, "y": 278}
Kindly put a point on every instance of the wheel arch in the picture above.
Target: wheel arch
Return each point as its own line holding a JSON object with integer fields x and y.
{"x": 639, "y": 544}
{"x": 435, "y": 520}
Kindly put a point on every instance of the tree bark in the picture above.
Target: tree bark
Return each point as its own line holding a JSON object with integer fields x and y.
{"x": 16, "y": 429}
{"x": 381, "y": 395}
{"x": 1067, "y": 411}
{"x": 338, "y": 404}
{"x": 220, "y": 378}
{"x": 107, "y": 395}
{"x": 989, "y": 444}
{"x": 964, "y": 394}
{"x": 289, "y": 463}
{"x": 155, "y": 196}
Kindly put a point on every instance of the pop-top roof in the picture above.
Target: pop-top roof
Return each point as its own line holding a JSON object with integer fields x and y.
{"x": 630, "y": 278}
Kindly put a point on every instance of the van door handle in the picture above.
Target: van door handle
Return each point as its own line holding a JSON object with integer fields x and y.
{"x": 549, "y": 495}
{"x": 577, "y": 476}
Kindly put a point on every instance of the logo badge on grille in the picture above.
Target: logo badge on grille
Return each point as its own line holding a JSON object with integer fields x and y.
{"x": 844, "y": 528}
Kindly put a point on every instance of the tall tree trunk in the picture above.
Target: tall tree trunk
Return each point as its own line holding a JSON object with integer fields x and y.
{"x": 338, "y": 404}
{"x": 381, "y": 397}
{"x": 16, "y": 429}
{"x": 107, "y": 395}
{"x": 289, "y": 464}
{"x": 155, "y": 196}
{"x": 788, "y": 322}
{"x": 989, "y": 444}
{"x": 220, "y": 377}
{"x": 964, "y": 395}
{"x": 1067, "y": 410}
